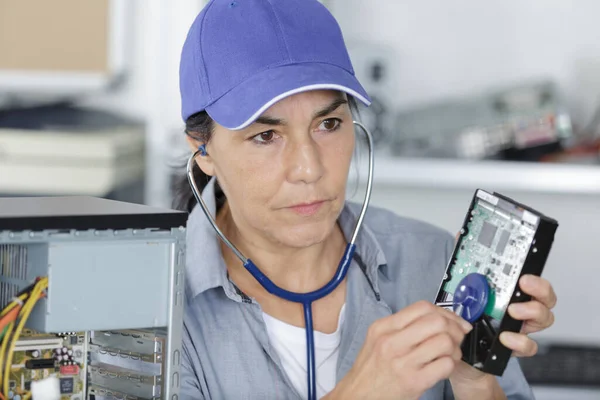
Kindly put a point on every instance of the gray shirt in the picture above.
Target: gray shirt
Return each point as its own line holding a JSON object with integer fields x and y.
{"x": 226, "y": 349}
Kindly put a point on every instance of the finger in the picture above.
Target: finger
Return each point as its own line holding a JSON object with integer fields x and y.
{"x": 528, "y": 328}
{"x": 441, "y": 345}
{"x": 520, "y": 344}
{"x": 533, "y": 312}
{"x": 539, "y": 288}
{"x": 401, "y": 319}
{"x": 436, "y": 371}
{"x": 399, "y": 343}
{"x": 430, "y": 326}
{"x": 467, "y": 326}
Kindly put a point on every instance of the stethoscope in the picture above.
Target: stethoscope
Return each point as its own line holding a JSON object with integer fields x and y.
{"x": 306, "y": 299}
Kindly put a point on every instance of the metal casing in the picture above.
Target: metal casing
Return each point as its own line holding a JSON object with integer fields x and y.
{"x": 102, "y": 280}
{"x": 102, "y": 275}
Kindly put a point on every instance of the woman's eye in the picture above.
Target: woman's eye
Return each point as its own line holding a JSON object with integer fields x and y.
{"x": 330, "y": 124}
{"x": 264, "y": 137}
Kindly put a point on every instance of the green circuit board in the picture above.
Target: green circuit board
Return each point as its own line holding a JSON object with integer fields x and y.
{"x": 495, "y": 245}
{"x": 39, "y": 355}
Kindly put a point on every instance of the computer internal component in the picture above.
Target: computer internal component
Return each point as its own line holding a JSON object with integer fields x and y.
{"x": 92, "y": 295}
{"x": 499, "y": 242}
{"x": 38, "y": 355}
{"x": 129, "y": 362}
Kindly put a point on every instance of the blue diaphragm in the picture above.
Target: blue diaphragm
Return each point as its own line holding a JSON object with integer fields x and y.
{"x": 471, "y": 297}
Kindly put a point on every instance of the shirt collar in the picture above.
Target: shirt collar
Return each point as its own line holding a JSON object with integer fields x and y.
{"x": 206, "y": 269}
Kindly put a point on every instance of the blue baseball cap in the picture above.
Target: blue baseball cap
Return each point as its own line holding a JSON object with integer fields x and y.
{"x": 242, "y": 56}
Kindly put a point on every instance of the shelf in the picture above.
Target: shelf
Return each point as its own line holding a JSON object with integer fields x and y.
{"x": 502, "y": 175}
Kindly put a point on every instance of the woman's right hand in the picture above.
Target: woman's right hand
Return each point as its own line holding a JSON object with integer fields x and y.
{"x": 405, "y": 354}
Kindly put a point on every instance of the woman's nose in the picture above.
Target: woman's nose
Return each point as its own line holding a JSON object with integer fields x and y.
{"x": 304, "y": 162}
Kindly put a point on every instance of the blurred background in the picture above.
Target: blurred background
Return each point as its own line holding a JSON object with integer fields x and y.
{"x": 502, "y": 95}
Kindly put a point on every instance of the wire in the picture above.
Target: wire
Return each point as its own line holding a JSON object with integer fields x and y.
{"x": 24, "y": 315}
{"x": 36, "y": 293}
{"x": 19, "y": 298}
{"x": 8, "y": 318}
{"x": 26, "y": 290}
{"x": 14, "y": 303}
{"x": 6, "y": 335}
{"x": 3, "y": 348}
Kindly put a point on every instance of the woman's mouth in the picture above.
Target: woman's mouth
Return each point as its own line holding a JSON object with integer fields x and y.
{"x": 307, "y": 209}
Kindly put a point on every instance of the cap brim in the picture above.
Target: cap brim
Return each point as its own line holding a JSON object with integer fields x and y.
{"x": 242, "y": 105}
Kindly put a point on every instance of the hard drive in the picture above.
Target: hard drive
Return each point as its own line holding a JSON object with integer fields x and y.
{"x": 500, "y": 241}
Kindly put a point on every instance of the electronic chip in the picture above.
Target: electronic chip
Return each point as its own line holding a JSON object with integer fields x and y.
{"x": 507, "y": 268}
{"x": 487, "y": 234}
{"x": 66, "y": 385}
{"x": 502, "y": 242}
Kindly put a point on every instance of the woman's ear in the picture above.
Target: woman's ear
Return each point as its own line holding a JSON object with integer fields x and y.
{"x": 204, "y": 161}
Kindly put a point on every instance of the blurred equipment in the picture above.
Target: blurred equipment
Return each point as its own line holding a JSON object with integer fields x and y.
{"x": 500, "y": 241}
{"x": 520, "y": 123}
{"x": 564, "y": 371}
{"x": 92, "y": 299}
{"x": 62, "y": 47}
{"x": 373, "y": 64}
{"x": 66, "y": 150}
{"x": 564, "y": 365}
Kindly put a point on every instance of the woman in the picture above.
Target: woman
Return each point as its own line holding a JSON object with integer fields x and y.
{"x": 268, "y": 93}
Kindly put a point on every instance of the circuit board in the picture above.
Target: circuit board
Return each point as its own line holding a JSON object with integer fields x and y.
{"x": 39, "y": 356}
{"x": 495, "y": 245}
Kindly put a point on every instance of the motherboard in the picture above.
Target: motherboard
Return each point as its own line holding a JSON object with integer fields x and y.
{"x": 40, "y": 355}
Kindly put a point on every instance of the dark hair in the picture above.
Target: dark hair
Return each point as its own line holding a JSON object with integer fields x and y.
{"x": 200, "y": 126}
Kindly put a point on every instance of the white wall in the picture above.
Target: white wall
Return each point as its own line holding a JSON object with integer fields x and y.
{"x": 442, "y": 49}
{"x": 447, "y": 48}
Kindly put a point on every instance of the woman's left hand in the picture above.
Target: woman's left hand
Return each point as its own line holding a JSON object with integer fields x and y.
{"x": 536, "y": 315}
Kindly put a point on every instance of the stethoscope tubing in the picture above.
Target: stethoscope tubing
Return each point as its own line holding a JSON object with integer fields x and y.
{"x": 306, "y": 299}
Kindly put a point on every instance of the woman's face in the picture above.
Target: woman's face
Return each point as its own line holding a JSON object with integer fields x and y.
{"x": 285, "y": 175}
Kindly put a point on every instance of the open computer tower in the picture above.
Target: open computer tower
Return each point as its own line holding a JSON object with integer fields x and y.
{"x": 109, "y": 322}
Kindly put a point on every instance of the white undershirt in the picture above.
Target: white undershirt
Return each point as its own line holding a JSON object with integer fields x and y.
{"x": 290, "y": 343}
